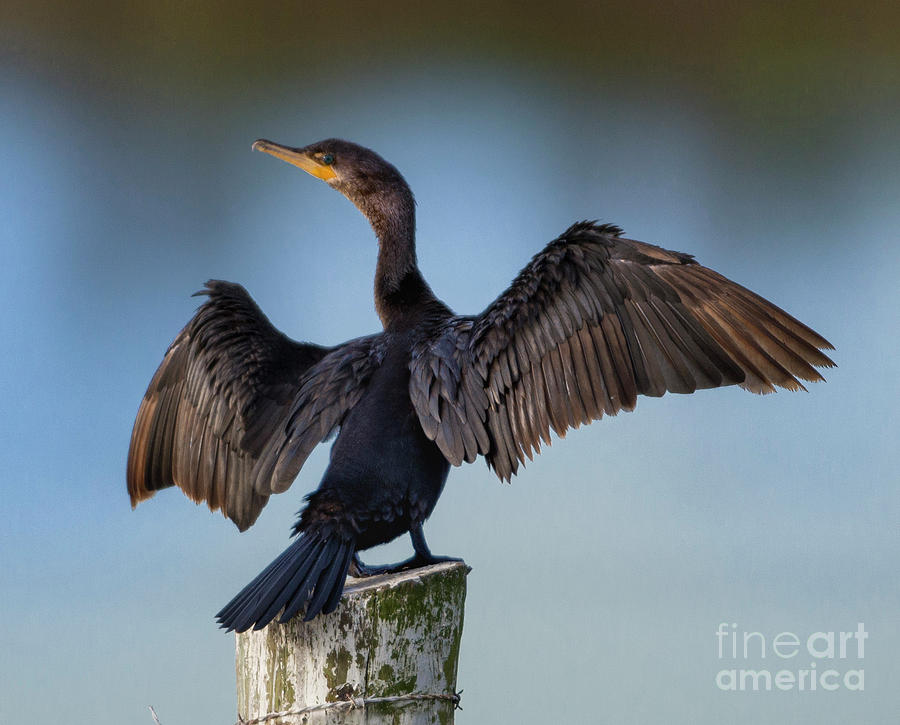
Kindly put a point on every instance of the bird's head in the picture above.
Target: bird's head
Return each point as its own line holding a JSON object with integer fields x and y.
{"x": 357, "y": 172}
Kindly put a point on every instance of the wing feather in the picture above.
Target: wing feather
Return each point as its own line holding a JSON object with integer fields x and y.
{"x": 332, "y": 388}
{"x": 223, "y": 398}
{"x": 593, "y": 321}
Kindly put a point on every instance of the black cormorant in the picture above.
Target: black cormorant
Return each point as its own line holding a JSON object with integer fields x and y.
{"x": 590, "y": 323}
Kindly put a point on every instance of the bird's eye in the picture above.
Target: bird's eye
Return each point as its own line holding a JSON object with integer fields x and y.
{"x": 328, "y": 159}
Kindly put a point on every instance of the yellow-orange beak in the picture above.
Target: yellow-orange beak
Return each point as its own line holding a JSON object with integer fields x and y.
{"x": 297, "y": 157}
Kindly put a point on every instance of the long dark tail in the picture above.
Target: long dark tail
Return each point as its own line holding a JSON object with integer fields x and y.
{"x": 309, "y": 574}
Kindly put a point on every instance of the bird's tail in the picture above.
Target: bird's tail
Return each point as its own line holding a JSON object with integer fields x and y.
{"x": 309, "y": 574}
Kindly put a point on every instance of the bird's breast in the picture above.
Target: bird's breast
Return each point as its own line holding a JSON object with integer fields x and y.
{"x": 382, "y": 462}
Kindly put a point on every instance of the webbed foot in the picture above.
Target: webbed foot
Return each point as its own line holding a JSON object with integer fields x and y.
{"x": 422, "y": 557}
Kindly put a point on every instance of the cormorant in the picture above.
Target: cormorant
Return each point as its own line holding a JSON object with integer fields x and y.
{"x": 590, "y": 323}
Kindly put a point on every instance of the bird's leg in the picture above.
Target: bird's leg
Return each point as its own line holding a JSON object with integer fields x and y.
{"x": 422, "y": 557}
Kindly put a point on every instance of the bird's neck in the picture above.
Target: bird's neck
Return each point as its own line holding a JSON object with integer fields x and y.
{"x": 399, "y": 286}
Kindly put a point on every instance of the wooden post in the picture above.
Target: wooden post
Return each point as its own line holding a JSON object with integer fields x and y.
{"x": 387, "y": 654}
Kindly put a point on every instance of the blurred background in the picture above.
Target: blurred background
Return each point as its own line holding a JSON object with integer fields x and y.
{"x": 761, "y": 137}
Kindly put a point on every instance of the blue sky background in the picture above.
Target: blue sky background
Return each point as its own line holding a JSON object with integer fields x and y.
{"x": 763, "y": 140}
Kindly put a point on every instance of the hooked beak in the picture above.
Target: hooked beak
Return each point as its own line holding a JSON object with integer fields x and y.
{"x": 297, "y": 157}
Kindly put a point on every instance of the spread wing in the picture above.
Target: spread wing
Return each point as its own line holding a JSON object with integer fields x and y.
{"x": 592, "y": 322}
{"x": 228, "y": 397}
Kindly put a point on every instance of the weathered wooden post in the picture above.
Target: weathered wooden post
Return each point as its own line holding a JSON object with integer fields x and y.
{"x": 388, "y": 654}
